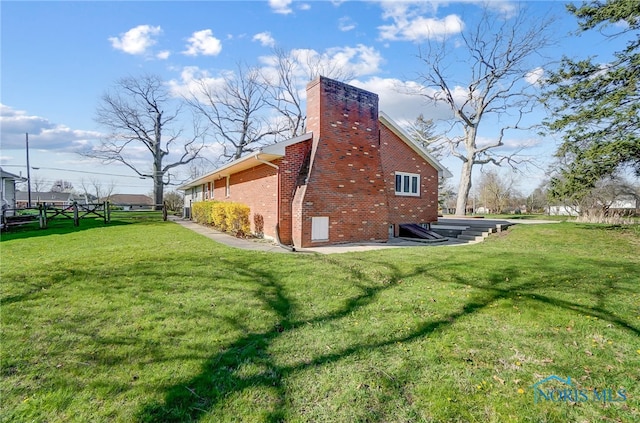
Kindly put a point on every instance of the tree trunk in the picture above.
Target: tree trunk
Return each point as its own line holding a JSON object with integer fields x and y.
{"x": 158, "y": 184}
{"x": 158, "y": 191}
{"x": 464, "y": 188}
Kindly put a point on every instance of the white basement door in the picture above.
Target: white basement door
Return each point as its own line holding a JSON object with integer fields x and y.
{"x": 320, "y": 228}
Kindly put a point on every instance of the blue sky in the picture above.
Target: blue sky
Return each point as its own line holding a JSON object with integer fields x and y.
{"x": 58, "y": 58}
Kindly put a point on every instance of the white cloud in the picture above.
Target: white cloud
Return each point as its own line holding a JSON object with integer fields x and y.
{"x": 346, "y": 24}
{"x": 402, "y": 100}
{"x": 394, "y": 97}
{"x": 4, "y": 159}
{"x": 203, "y": 43}
{"x": 191, "y": 82}
{"x": 281, "y": 6}
{"x": 358, "y": 61}
{"x": 304, "y": 6}
{"x": 533, "y": 77}
{"x": 506, "y": 8}
{"x": 163, "y": 55}
{"x": 265, "y": 39}
{"x": 508, "y": 143}
{"x": 43, "y": 134}
{"x": 420, "y": 28}
{"x": 137, "y": 40}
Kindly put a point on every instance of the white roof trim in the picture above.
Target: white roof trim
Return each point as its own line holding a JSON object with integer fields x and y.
{"x": 269, "y": 153}
{"x": 9, "y": 175}
{"x": 396, "y": 129}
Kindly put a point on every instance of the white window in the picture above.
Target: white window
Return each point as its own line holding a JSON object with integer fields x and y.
{"x": 320, "y": 228}
{"x": 407, "y": 184}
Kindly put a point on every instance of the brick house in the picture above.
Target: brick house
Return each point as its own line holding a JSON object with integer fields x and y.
{"x": 354, "y": 176}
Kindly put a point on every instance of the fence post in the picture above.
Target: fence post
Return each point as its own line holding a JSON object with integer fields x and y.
{"x": 104, "y": 211}
{"x": 76, "y": 221}
{"x": 164, "y": 211}
{"x": 42, "y": 215}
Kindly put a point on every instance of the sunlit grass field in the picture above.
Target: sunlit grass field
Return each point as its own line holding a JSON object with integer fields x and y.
{"x": 143, "y": 320}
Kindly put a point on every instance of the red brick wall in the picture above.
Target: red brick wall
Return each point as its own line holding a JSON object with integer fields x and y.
{"x": 290, "y": 165}
{"x": 397, "y": 156}
{"x": 345, "y": 180}
{"x": 257, "y": 188}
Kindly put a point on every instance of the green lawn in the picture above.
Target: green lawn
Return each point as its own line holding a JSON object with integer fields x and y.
{"x": 148, "y": 321}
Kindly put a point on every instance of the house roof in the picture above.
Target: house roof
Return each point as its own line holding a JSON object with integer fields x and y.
{"x": 265, "y": 154}
{"x": 276, "y": 151}
{"x": 127, "y": 199}
{"x": 402, "y": 134}
{"x": 44, "y": 196}
{"x": 6, "y": 175}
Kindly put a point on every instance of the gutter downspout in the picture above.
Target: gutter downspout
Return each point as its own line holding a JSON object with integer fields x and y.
{"x": 286, "y": 247}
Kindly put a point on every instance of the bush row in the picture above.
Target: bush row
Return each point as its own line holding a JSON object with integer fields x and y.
{"x": 224, "y": 216}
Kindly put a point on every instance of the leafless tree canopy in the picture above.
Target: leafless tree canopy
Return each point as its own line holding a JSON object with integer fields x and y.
{"x": 499, "y": 54}
{"x": 140, "y": 113}
{"x": 60, "y": 185}
{"x": 98, "y": 191}
{"x": 495, "y": 191}
{"x": 235, "y": 112}
{"x": 289, "y": 77}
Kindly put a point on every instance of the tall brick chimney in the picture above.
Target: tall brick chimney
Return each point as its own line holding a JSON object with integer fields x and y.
{"x": 345, "y": 182}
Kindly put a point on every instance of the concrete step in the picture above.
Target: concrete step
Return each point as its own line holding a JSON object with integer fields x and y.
{"x": 471, "y": 237}
{"x": 476, "y": 233}
{"x": 467, "y": 230}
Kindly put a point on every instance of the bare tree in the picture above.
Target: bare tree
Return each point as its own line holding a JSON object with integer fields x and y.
{"x": 606, "y": 192}
{"x": 286, "y": 79}
{"x": 174, "y": 201}
{"x": 141, "y": 113}
{"x": 495, "y": 191}
{"x": 538, "y": 201}
{"x": 499, "y": 53}
{"x": 97, "y": 189}
{"x": 38, "y": 184}
{"x": 235, "y": 111}
{"x": 423, "y": 132}
{"x": 61, "y": 185}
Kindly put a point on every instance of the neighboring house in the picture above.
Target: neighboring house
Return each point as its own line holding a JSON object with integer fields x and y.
{"x": 8, "y": 191}
{"x": 52, "y": 199}
{"x": 626, "y": 204}
{"x": 132, "y": 201}
{"x": 563, "y": 210}
{"x": 355, "y": 176}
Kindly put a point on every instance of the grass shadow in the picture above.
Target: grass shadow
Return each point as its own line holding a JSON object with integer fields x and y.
{"x": 221, "y": 376}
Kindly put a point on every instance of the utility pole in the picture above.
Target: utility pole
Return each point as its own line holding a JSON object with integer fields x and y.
{"x": 28, "y": 174}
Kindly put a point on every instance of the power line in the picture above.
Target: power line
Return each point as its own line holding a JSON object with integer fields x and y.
{"x": 84, "y": 171}
{"x": 77, "y": 171}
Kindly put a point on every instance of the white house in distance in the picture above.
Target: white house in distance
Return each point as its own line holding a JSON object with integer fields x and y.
{"x": 8, "y": 191}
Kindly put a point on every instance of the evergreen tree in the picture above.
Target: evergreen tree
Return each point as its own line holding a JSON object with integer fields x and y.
{"x": 597, "y": 106}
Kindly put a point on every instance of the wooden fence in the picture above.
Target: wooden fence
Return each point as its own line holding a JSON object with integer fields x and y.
{"x": 75, "y": 212}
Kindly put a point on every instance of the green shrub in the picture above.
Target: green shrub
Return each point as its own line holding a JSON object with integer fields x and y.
{"x": 224, "y": 216}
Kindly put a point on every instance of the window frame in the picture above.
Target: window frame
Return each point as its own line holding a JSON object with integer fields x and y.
{"x": 405, "y": 182}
